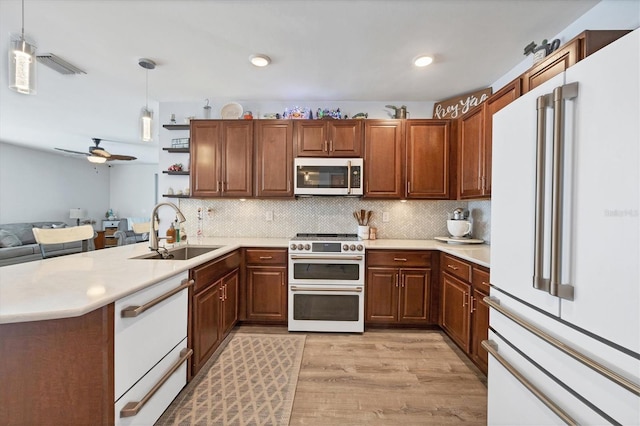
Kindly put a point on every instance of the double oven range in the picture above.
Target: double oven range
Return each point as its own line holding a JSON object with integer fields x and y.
{"x": 326, "y": 283}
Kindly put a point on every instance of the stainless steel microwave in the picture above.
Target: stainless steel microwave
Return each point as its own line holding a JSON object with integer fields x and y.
{"x": 328, "y": 176}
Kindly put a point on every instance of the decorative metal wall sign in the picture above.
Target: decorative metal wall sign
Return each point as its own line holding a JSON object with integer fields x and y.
{"x": 458, "y": 106}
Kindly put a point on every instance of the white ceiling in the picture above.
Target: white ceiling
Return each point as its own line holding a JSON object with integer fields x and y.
{"x": 348, "y": 50}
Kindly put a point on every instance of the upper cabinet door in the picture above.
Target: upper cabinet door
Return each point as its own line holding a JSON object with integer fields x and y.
{"x": 383, "y": 155}
{"x": 345, "y": 138}
{"x": 471, "y": 154}
{"x": 274, "y": 158}
{"x": 221, "y": 158}
{"x": 328, "y": 138}
{"x": 206, "y": 137}
{"x": 311, "y": 138}
{"x": 237, "y": 158}
{"x": 427, "y": 154}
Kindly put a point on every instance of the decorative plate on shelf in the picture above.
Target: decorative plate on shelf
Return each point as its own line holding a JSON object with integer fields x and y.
{"x": 231, "y": 111}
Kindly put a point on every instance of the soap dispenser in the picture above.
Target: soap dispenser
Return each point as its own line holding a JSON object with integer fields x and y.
{"x": 171, "y": 234}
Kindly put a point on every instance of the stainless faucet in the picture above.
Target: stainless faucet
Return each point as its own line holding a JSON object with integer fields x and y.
{"x": 153, "y": 236}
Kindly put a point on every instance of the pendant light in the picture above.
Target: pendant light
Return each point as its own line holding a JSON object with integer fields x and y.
{"x": 146, "y": 115}
{"x": 22, "y": 63}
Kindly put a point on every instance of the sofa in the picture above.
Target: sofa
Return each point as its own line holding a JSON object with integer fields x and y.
{"x": 130, "y": 237}
{"x": 18, "y": 245}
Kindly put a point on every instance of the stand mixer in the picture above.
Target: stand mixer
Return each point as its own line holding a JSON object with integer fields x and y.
{"x": 458, "y": 224}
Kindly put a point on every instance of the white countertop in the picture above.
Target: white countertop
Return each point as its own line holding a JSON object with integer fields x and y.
{"x": 76, "y": 284}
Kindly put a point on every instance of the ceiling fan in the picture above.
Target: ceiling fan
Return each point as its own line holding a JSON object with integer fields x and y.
{"x": 98, "y": 154}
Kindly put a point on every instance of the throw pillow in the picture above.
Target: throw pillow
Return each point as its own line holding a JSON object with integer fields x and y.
{"x": 9, "y": 239}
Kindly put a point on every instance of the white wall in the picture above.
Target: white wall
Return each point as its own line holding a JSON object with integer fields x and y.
{"x": 132, "y": 192}
{"x": 39, "y": 186}
{"x": 606, "y": 15}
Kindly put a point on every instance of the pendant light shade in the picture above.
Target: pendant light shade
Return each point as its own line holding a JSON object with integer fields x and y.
{"x": 22, "y": 63}
{"x": 146, "y": 115}
{"x": 146, "y": 122}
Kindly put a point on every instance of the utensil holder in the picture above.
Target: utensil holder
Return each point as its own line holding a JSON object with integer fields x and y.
{"x": 363, "y": 232}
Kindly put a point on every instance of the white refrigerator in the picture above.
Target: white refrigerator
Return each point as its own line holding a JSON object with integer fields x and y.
{"x": 564, "y": 335}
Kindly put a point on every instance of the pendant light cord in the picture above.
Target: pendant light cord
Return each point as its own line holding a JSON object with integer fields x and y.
{"x": 23, "y": 19}
{"x": 146, "y": 102}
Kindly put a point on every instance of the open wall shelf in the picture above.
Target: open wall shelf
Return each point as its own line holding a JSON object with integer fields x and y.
{"x": 176, "y": 126}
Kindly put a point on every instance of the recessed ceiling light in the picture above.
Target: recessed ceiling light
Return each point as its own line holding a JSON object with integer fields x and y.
{"x": 260, "y": 60}
{"x": 422, "y": 61}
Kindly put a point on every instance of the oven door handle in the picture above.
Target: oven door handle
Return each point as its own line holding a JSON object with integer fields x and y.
{"x": 330, "y": 289}
{"x": 305, "y": 257}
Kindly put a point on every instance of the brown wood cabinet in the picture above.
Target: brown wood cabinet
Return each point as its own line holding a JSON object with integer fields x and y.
{"x": 407, "y": 159}
{"x": 479, "y": 317}
{"x": 214, "y": 306}
{"x": 274, "y": 158}
{"x": 398, "y": 288}
{"x": 383, "y": 159}
{"x": 266, "y": 285}
{"x": 221, "y": 158}
{"x": 58, "y": 372}
{"x": 427, "y": 159}
{"x": 576, "y": 49}
{"x": 475, "y": 143}
{"x": 465, "y": 316}
{"x": 328, "y": 138}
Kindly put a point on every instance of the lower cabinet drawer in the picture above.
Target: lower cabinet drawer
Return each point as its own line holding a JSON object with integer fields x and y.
{"x": 399, "y": 258}
{"x": 153, "y": 408}
{"x": 143, "y": 340}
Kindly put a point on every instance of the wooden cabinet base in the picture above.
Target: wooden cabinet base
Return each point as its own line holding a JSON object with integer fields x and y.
{"x": 58, "y": 371}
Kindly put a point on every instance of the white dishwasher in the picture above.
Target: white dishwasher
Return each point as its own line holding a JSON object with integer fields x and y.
{"x": 150, "y": 350}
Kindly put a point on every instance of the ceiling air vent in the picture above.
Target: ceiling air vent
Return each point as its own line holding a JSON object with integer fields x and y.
{"x": 57, "y": 63}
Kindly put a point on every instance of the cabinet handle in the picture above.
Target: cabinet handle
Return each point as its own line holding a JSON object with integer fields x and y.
{"x": 399, "y": 259}
{"x": 219, "y": 186}
{"x": 455, "y": 268}
{"x": 408, "y": 187}
{"x": 266, "y": 257}
{"x": 471, "y": 308}
{"x": 325, "y": 147}
{"x": 464, "y": 299}
{"x": 396, "y": 280}
{"x": 134, "y": 311}
{"x": 134, "y": 407}
{"x": 331, "y": 145}
{"x": 221, "y": 293}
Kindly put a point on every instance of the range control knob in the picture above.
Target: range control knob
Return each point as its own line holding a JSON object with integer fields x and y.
{"x": 345, "y": 247}
{"x": 300, "y": 246}
{"x": 359, "y": 247}
{"x": 307, "y": 247}
{"x": 352, "y": 247}
{"x": 292, "y": 246}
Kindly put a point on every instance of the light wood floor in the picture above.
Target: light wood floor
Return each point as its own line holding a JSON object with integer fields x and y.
{"x": 385, "y": 377}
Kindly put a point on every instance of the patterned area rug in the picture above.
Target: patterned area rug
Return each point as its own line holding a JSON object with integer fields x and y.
{"x": 252, "y": 382}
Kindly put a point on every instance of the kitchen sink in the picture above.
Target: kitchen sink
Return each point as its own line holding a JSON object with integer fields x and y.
{"x": 180, "y": 253}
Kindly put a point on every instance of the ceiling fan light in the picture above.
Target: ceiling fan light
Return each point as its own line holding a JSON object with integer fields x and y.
{"x": 146, "y": 125}
{"x": 96, "y": 159}
{"x": 260, "y": 60}
{"x": 22, "y": 66}
{"x": 422, "y": 61}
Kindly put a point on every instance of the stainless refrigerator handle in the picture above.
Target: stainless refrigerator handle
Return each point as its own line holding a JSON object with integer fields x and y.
{"x": 539, "y": 282}
{"x": 556, "y": 288}
{"x": 579, "y": 356}
{"x": 492, "y": 348}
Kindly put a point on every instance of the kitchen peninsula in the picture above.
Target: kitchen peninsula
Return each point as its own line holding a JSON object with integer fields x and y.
{"x": 57, "y": 321}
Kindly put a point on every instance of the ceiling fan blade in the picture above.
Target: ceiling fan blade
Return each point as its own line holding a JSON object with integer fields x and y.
{"x": 121, "y": 157}
{"x": 99, "y": 151}
{"x": 71, "y": 151}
